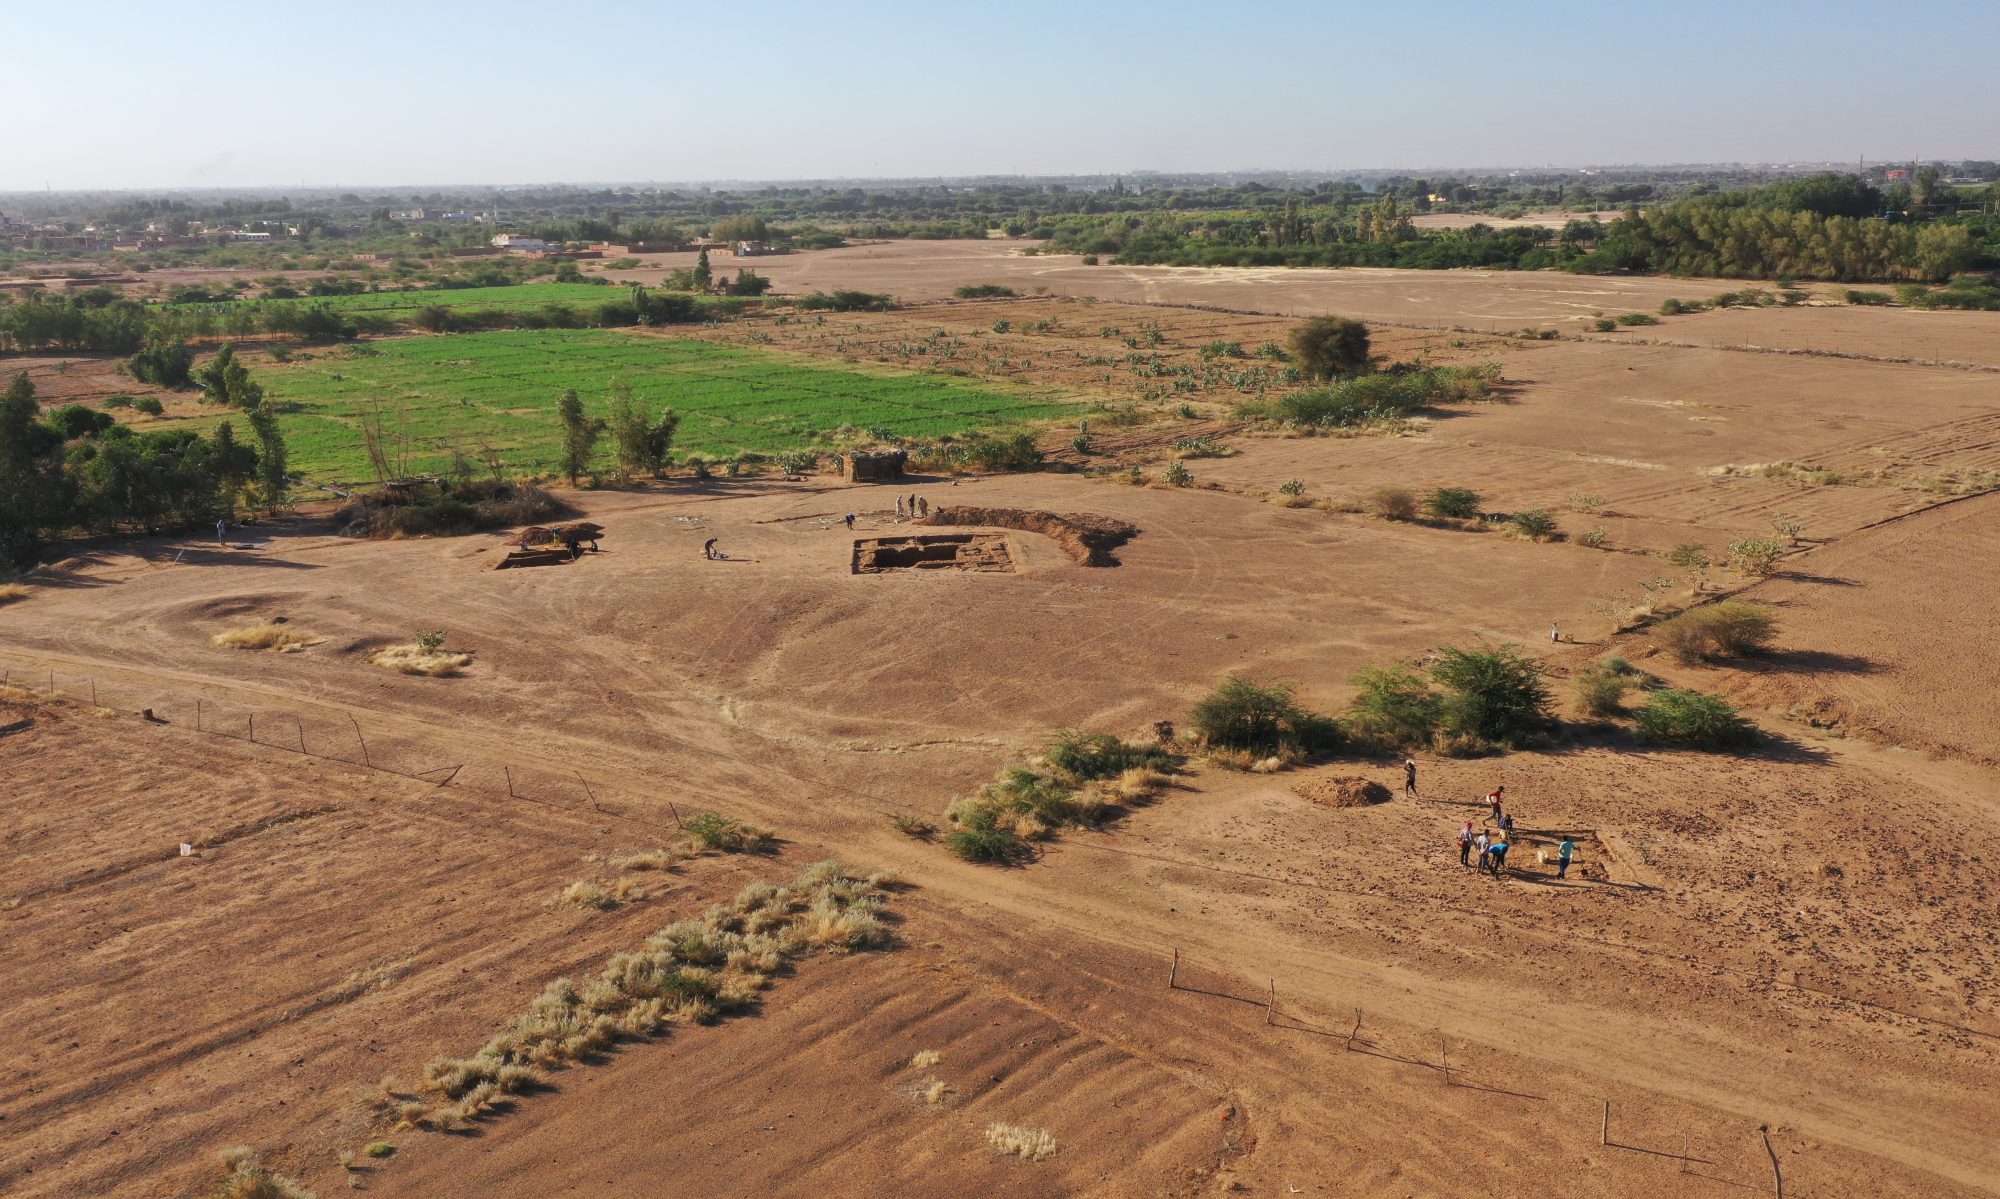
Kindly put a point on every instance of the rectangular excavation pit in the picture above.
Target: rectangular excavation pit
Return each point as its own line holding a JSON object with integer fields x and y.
{"x": 983, "y": 552}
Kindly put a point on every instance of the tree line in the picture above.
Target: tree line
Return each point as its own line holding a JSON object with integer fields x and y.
{"x": 79, "y": 470}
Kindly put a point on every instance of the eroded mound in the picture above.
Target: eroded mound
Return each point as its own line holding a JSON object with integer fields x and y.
{"x": 1084, "y": 536}
{"x": 1346, "y": 792}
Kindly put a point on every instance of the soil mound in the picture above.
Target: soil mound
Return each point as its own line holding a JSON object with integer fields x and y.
{"x": 1343, "y": 792}
{"x": 1084, "y": 536}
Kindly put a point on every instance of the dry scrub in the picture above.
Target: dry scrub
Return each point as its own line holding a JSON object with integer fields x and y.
{"x": 1028, "y": 1144}
{"x": 1078, "y": 781}
{"x": 270, "y": 637}
{"x": 247, "y": 1178}
{"x": 12, "y": 592}
{"x": 415, "y": 659}
{"x": 690, "y": 972}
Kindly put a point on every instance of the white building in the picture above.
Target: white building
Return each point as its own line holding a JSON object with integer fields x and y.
{"x": 514, "y": 241}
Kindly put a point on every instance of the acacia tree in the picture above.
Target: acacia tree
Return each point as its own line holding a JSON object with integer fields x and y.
{"x": 1330, "y": 346}
{"x": 641, "y": 443}
{"x": 579, "y": 433}
{"x": 273, "y": 483}
{"x": 703, "y": 275}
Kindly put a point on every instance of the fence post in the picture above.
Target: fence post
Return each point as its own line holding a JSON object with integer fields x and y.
{"x": 93, "y": 693}
{"x": 197, "y": 717}
{"x": 1604, "y": 1129}
{"x": 1174, "y": 972}
{"x": 360, "y": 738}
{"x": 253, "y": 728}
{"x": 1355, "y": 1032}
{"x": 1271, "y": 1004}
{"x": 677, "y": 815}
{"x": 302, "y": 735}
{"x": 587, "y": 790}
{"x": 510, "y": 780}
{"x": 1444, "y": 1056}
{"x": 1777, "y": 1175}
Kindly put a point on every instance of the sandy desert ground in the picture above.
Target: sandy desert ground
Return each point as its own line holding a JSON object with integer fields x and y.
{"x": 1800, "y": 937}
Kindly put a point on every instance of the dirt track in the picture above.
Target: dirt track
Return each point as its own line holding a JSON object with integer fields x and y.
{"x": 1803, "y": 936}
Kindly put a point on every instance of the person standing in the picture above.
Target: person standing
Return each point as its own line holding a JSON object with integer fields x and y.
{"x": 222, "y": 532}
{"x": 899, "y": 507}
{"x": 1555, "y": 634}
{"x": 1484, "y": 845}
{"x": 1410, "y": 777}
{"x": 1465, "y": 838}
{"x": 1563, "y": 854}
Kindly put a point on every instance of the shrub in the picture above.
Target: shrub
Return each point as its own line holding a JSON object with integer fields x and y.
{"x": 1087, "y": 756}
{"x": 1874, "y": 298}
{"x": 1583, "y": 502}
{"x": 12, "y": 593}
{"x": 1726, "y": 630}
{"x": 984, "y": 844}
{"x": 913, "y": 826}
{"x": 1177, "y": 474}
{"x": 1292, "y": 487}
{"x": 845, "y": 301}
{"x": 1329, "y": 346}
{"x": 1265, "y": 718}
{"x": 1452, "y": 503}
{"x": 1756, "y": 556}
{"x": 1596, "y": 538}
{"x": 1689, "y": 555}
{"x": 1672, "y": 308}
{"x": 149, "y": 405}
{"x": 1395, "y": 707}
{"x": 1536, "y": 524}
{"x": 1016, "y": 452}
{"x": 1637, "y": 318}
{"x": 1693, "y": 719}
{"x": 379, "y": 1149}
{"x": 1090, "y": 260}
{"x": 582, "y": 893}
{"x": 1391, "y": 503}
{"x": 1604, "y": 324}
{"x": 980, "y": 291}
{"x": 1493, "y": 695}
{"x": 712, "y": 830}
{"x": 1601, "y": 686}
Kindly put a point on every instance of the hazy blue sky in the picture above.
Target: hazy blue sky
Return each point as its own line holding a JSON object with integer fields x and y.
{"x": 192, "y": 93}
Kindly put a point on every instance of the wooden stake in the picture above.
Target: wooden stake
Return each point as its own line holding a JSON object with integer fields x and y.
{"x": 1684, "y": 1153}
{"x": 1444, "y": 1055}
{"x": 1271, "y": 1005}
{"x": 1356, "y": 1031}
{"x": 1604, "y": 1129}
{"x": 93, "y": 693}
{"x": 1777, "y": 1175}
{"x": 510, "y": 781}
{"x": 360, "y": 738}
{"x": 253, "y": 728}
{"x": 587, "y": 790}
{"x": 302, "y": 737}
{"x": 197, "y": 717}
{"x": 677, "y": 815}
{"x": 1175, "y": 972}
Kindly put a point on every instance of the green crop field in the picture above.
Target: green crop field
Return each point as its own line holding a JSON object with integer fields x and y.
{"x": 518, "y": 296}
{"x": 471, "y": 391}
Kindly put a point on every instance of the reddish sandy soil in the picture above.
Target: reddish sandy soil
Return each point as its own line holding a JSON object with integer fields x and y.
{"x": 1802, "y": 936}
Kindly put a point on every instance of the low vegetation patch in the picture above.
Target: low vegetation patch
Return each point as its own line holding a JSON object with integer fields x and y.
{"x": 690, "y": 972}
{"x": 246, "y": 1177}
{"x": 1452, "y": 503}
{"x": 12, "y": 593}
{"x": 983, "y": 291}
{"x": 448, "y": 510}
{"x": 269, "y": 636}
{"x": 1079, "y": 781}
{"x": 1536, "y": 524}
{"x": 1018, "y": 1140}
{"x": 426, "y": 655}
{"x": 1755, "y": 556}
{"x": 1693, "y": 719}
{"x": 1601, "y": 686}
{"x": 713, "y": 831}
{"x": 1731, "y": 629}
{"x": 1374, "y": 399}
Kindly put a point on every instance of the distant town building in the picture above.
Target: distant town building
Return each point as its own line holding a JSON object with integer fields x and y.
{"x": 753, "y": 249}
{"x": 518, "y": 242}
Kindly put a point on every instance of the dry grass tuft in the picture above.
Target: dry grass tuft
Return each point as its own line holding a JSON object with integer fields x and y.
{"x": 269, "y": 637}
{"x": 247, "y": 1178}
{"x": 627, "y": 890}
{"x": 583, "y": 893}
{"x": 1028, "y": 1144}
{"x": 934, "y": 1090}
{"x": 10, "y": 592}
{"x": 414, "y": 659}
{"x": 925, "y": 1059}
{"x": 650, "y": 859}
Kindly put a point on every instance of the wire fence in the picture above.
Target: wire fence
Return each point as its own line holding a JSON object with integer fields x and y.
{"x": 343, "y": 738}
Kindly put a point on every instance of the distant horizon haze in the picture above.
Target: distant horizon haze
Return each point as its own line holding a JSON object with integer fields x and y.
{"x": 224, "y": 94}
